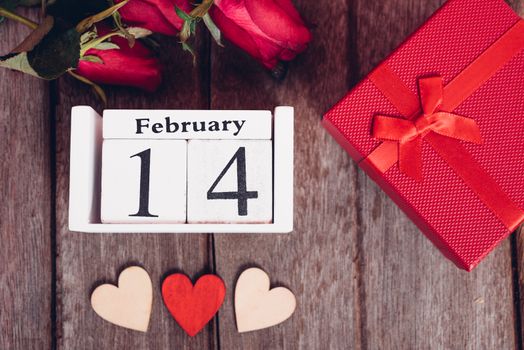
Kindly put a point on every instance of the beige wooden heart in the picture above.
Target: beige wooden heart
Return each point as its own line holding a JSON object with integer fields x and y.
{"x": 257, "y": 306}
{"x": 129, "y": 304}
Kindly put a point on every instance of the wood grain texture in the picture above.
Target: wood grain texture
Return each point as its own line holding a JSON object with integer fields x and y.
{"x": 316, "y": 261}
{"x": 518, "y": 243}
{"x": 412, "y": 296}
{"x": 86, "y": 260}
{"x": 364, "y": 276}
{"x": 25, "y": 213}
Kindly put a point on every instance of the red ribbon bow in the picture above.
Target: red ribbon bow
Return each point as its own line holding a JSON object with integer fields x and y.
{"x": 409, "y": 133}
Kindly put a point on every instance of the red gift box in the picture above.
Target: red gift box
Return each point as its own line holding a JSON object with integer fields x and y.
{"x": 439, "y": 125}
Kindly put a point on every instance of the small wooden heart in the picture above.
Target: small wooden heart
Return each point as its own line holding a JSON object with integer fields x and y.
{"x": 128, "y": 304}
{"x": 257, "y": 306}
{"x": 193, "y": 306}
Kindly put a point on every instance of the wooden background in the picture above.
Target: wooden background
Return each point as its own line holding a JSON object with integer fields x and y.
{"x": 364, "y": 276}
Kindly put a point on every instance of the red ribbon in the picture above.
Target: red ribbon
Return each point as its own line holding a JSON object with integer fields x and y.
{"x": 437, "y": 125}
{"x": 410, "y": 133}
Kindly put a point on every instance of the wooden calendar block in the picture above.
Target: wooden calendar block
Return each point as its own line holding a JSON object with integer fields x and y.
{"x": 186, "y": 124}
{"x": 144, "y": 181}
{"x": 230, "y": 181}
{"x": 271, "y": 213}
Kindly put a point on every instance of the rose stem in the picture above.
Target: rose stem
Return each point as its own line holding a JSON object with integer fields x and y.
{"x": 16, "y": 17}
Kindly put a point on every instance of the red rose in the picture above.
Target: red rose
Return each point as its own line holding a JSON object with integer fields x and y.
{"x": 136, "y": 66}
{"x": 158, "y": 16}
{"x": 269, "y": 30}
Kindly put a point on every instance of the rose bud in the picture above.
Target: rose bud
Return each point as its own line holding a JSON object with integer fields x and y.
{"x": 129, "y": 66}
{"x": 159, "y": 16}
{"x": 269, "y": 30}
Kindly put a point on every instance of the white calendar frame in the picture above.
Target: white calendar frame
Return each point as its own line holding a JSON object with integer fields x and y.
{"x": 85, "y": 174}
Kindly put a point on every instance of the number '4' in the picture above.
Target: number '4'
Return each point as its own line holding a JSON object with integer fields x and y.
{"x": 241, "y": 195}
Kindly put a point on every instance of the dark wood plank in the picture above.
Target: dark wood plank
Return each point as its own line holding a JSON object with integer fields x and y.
{"x": 87, "y": 259}
{"x": 412, "y": 296}
{"x": 518, "y": 6}
{"x": 364, "y": 276}
{"x": 316, "y": 260}
{"x": 519, "y": 282}
{"x": 25, "y": 189}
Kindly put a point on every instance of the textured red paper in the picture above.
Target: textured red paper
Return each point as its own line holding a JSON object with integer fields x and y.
{"x": 443, "y": 206}
{"x": 193, "y": 306}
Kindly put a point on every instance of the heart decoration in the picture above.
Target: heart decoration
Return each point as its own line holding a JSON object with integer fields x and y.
{"x": 257, "y": 306}
{"x": 128, "y": 304}
{"x": 193, "y": 306}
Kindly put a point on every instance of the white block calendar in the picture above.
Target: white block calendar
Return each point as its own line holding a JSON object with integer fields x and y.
{"x": 230, "y": 181}
{"x": 144, "y": 181}
{"x": 187, "y": 124}
{"x": 181, "y": 171}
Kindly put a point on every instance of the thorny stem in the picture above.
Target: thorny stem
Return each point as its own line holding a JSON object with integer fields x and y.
{"x": 16, "y": 17}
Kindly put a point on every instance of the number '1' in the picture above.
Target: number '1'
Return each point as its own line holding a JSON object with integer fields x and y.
{"x": 145, "y": 166}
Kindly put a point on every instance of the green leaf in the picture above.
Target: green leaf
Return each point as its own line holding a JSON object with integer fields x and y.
{"x": 186, "y": 17}
{"x": 92, "y": 58}
{"x": 191, "y": 20}
{"x": 107, "y": 46}
{"x": 192, "y": 27}
{"x": 58, "y": 52}
{"x": 185, "y": 33}
{"x": 138, "y": 32}
{"x": 88, "y": 36}
{"x": 213, "y": 29}
{"x": 86, "y": 46}
{"x": 18, "y": 62}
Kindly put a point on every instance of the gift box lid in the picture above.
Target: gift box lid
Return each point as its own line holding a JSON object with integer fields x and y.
{"x": 448, "y": 209}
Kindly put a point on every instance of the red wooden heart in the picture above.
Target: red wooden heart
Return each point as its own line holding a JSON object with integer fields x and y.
{"x": 193, "y": 306}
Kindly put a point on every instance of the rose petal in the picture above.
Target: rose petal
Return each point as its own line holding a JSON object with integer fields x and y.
{"x": 143, "y": 73}
{"x": 248, "y": 28}
{"x": 235, "y": 33}
{"x": 159, "y": 16}
{"x": 129, "y": 66}
{"x": 271, "y": 17}
{"x": 141, "y": 14}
